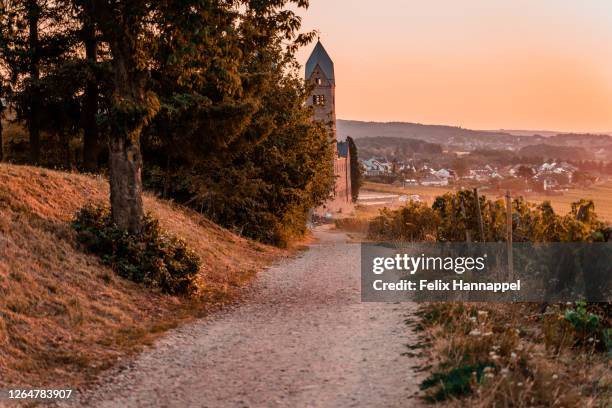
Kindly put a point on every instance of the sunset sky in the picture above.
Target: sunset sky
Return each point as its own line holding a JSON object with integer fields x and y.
{"x": 485, "y": 64}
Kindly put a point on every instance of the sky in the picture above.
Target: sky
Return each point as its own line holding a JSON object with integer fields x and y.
{"x": 480, "y": 64}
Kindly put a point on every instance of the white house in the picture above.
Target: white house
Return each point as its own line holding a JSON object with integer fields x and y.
{"x": 376, "y": 167}
{"x": 434, "y": 180}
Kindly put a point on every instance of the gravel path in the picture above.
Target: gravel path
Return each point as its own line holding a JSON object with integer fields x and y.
{"x": 300, "y": 339}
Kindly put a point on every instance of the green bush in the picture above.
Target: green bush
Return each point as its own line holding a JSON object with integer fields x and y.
{"x": 589, "y": 328}
{"x": 454, "y": 383}
{"x": 413, "y": 222}
{"x": 453, "y": 217}
{"x": 152, "y": 257}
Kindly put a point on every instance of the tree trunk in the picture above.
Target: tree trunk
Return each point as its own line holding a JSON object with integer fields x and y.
{"x": 34, "y": 116}
{"x": 125, "y": 182}
{"x": 167, "y": 175}
{"x": 1, "y": 129}
{"x": 65, "y": 143}
{"x": 468, "y": 236}
{"x": 509, "y": 237}
{"x": 124, "y": 141}
{"x": 1, "y": 141}
{"x": 132, "y": 109}
{"x": 479, "y": 216}
{"x": 90, "y": 102}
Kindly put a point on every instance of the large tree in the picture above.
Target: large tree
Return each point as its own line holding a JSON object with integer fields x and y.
{"x": 255, "y": 161}
{"x": 206, "y": 85}
{"x": 128, "y": 27}
{"x": 178, "y": 36}
{"x": 265, "y": 189}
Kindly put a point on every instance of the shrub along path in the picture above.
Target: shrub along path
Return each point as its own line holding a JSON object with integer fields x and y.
{"x": 301, "y": 338}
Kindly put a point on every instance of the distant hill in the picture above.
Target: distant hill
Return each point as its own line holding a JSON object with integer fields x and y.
{"x": 546, "y": 133}
{"x": 581, "y": 139}
{"x": 357, "y": 129}
{"x": 522, "y": 132}
{"x": 395, "y": 147}
{"x": 459, "y": 139}
{"x": 441, "y": 134}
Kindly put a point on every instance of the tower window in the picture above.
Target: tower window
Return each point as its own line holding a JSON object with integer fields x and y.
{"x": 318, "y": 100}
{"x": 319, "y": 81}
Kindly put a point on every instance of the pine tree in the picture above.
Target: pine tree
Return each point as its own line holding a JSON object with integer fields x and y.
{"x": 91, "y": 142}
{"x": 33, "y": 16}
{"x": 6, "y": 37}
{"x": 15, "y": 57}
{"x": 29, "y": 55}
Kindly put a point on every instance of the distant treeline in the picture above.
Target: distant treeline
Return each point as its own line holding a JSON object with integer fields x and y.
{"x": 546, "y": 151}
{"x": 395, "y": 147}
{"x": 453, "y": 135}
{"x": 206, "y": 94}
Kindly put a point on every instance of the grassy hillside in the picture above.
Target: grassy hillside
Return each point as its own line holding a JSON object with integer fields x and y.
{"x": 64, "y": 316}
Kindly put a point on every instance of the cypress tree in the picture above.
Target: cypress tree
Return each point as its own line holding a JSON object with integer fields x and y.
{"x": 356, "y": 169}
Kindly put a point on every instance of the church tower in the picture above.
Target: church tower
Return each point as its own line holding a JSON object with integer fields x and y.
{"x": 320, "y": 73}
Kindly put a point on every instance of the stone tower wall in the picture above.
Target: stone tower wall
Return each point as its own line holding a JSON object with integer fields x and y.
{"x": 323, "y": 101}
{"x": 324, "y": 111}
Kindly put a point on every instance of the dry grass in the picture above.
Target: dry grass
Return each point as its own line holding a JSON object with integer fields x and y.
{"x": 428, "y": 194}
{"x": 510, "y": 355}
{"x": 358, "y": 224}
{"x": 601, "y": 194}
{"x": 532, "y": 357}
{"x": 64, "y": 316}
{"x": 15, "y": 141}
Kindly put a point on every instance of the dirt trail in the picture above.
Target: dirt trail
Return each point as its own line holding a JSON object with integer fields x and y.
{"x": 302, "y": 338}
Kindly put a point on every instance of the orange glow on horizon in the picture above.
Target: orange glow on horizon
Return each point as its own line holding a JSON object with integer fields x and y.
{"x": 482, "y": 64}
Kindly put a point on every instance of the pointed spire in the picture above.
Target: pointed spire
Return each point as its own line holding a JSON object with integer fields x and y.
{"x": 321, "y": 58}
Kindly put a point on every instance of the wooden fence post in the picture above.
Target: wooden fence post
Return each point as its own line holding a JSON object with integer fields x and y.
{"x": 468, "y": 237}
{"x": 492, "y": 225}
{"x": 453, "y": 216}
{"x": 509, "y": 234}
{"x": 479, "y": 216}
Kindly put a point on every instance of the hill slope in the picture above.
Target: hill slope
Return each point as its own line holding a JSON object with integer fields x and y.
{"x": 394, "y": 146}
{"x": 63, "y": 314}
{"x": 431, "y": 133}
